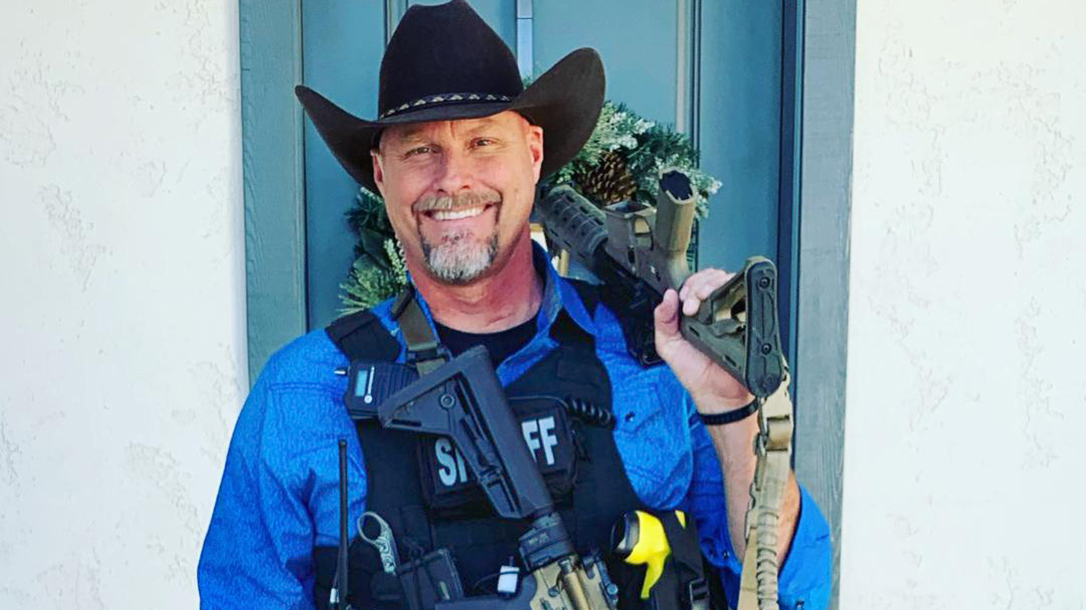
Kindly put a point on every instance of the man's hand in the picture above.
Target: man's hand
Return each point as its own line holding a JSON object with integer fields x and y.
{"x": 713, "y": 389}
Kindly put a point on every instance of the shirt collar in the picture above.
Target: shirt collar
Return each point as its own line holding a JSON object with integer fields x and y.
{"x": 558, "y": 295}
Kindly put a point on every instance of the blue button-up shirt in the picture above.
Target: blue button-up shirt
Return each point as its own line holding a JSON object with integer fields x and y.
{"x": 279, "y": 496}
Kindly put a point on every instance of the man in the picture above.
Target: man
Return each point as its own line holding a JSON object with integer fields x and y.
{"x": 456, "y": 153}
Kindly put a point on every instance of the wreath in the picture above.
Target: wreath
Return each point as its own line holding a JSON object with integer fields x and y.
{"x": 621, "y": 161}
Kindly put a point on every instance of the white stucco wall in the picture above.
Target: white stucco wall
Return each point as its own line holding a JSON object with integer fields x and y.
{"x": 122, "y": 311}
{"x": 966, "y": 419}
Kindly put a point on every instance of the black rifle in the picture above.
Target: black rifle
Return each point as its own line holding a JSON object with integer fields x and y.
{"x": 638, "y": 252}
{"x": 464, "y": 400}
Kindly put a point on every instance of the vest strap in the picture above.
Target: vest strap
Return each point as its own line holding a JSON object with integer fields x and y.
{"x": 423, "y": 348}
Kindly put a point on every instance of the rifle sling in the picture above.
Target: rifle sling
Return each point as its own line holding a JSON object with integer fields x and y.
{"x": 761, "y": 567}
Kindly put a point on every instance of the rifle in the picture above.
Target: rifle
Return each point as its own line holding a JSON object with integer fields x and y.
{"x": 464, "y": 400}
{"x": 639, "y": 252}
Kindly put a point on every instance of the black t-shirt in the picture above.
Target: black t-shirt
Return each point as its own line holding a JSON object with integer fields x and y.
{"x": 501, "y": 344}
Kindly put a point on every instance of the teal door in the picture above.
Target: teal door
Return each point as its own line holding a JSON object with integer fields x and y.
{"x": 713, "y": 69}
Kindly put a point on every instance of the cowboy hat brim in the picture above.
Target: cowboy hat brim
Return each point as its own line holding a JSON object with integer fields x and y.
{"x": 565, "y": 101}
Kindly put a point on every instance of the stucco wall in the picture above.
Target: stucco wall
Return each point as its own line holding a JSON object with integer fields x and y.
{"x": 964, "y": 445}
{"x": 122, "y": 309}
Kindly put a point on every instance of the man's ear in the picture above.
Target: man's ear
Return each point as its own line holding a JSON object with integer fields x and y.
{"x": 535, "y": 145}
{"x": 378, "y": 170}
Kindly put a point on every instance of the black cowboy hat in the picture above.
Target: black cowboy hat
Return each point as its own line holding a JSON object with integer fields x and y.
{"x": 445, "y": 63}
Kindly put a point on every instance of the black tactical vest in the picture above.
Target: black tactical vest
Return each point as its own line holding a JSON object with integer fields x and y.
{"x": 480, "y": 542}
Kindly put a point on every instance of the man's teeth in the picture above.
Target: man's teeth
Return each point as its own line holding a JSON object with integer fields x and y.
{"x": 457, "y": 214}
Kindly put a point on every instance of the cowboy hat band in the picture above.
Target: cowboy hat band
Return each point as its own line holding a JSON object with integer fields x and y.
{"x": 445, "y": 63}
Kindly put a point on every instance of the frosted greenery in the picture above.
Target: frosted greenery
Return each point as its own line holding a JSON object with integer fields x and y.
{"x": 648, "y": 148}
{"x": 369, "y": 284}
{"x": 378, "y": 271}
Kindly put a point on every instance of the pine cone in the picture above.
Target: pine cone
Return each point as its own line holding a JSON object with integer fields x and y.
{"x": 607, "y": 182}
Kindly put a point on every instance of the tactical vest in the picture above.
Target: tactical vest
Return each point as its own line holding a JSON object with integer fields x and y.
{"x": 401, "y": 491}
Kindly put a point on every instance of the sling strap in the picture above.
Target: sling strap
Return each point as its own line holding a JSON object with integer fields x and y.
{"x": 758, "y": 588}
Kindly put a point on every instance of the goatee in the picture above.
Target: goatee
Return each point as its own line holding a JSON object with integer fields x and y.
{"x": 459, "y": 258}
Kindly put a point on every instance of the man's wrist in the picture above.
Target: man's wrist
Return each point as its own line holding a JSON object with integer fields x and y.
{"x": 730, "y": 416}
{"x": 716, "y": 402}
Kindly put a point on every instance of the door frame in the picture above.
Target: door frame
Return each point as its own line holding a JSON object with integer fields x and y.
{"x": 826, "y": 45}
{"x": 273, "y": 176}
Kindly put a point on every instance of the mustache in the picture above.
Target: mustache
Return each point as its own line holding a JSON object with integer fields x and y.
{"x": 465, "y": 199}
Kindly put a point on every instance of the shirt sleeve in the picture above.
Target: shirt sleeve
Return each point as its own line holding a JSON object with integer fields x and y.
{"x": 806, "y": 574}
{"x": 279, "y": 496}
{"x": 258, "y": 549}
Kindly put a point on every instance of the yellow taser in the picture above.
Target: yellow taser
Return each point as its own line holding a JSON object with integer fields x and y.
{"x": 639, "y": 538}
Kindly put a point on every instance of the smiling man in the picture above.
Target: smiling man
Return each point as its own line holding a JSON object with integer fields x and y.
{"x": 461, "y": 227}
{"x": 458, "y": 195}
{"x": 456, "y": 153}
